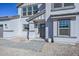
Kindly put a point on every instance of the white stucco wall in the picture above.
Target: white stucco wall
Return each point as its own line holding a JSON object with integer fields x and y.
{"x": 48, "y": 12}
{"x": 11, "y": 25}
{"x": 76, "y": 9}
{"x": 73, "y": 34}
{"x": 74, "y": 26}
{"x": 54, "y": 28}
{"x": 31, "y": 30}
{"x": 77, "y": 27}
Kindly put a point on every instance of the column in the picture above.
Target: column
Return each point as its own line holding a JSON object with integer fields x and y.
{"x": 48, "y": 34}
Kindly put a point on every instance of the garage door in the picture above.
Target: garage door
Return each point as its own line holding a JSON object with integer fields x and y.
{"x": 1, "y": 31}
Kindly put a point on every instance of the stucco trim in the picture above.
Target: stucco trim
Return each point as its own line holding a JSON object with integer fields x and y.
{"x": 5, "y": 18}
{"x": 31, "y": 30}
{"x": 62, "y": 8}
{"x": 8, "y": 30}
{"x": 64, "y": 37}
{"x": 66, "y": 14}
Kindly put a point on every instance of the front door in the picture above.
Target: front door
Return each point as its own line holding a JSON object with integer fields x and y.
{"x": 42, "y": 30}
{"x": 1, "y": 31}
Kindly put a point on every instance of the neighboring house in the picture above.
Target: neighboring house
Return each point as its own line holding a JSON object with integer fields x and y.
{"x": 58, "y": 22}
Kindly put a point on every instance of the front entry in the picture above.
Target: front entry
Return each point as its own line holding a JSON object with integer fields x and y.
{"x": 1, "y": 31}
{"x": 42, "y": 31}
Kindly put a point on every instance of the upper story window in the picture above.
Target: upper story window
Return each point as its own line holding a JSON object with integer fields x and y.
{"x": 24, "y": 11}
{"x": 68, "y": 4}
{"x": 30, "y": 10}
{"x": 62, "y": 6}
{"x": 35, "y": 9}
{"x": 57, "y": 5}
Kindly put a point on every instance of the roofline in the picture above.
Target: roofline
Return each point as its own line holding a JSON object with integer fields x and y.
{"x": 4, "y": 18}
{"x": 19, "y": 4}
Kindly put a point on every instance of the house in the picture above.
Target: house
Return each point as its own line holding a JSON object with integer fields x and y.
{"x": 55, "y": 22}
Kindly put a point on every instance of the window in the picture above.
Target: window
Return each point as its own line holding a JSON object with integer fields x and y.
{"x": 29, "y": 10}
{"x": 61, "y": 6}
{"x": 24, "y": 11}
{"x": 25, "y": 27}
{"x": 64, "y": 27}
{"x": 35, "y": 9}
{"x": 64, "y": 23}
{"x": 57, "y": 5}
{"x": 68, "y": 4}
{"x": 6, "y": 26}
{"x": 35, "y": 25}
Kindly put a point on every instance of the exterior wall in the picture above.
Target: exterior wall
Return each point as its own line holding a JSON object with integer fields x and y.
{"x": 47, "y": 17}
{"x": 54, "y": 28}
{"x": 31, "y": 30}
{"x": 77, "y": 28}
{"x": 73, "y": 34}
{"x": 23, "y": 33}
{"x": 11, "y": 28}
{"x": 51, "y": 26}
{"x": 76, "y": 9}
{"x": 20, "y": 11}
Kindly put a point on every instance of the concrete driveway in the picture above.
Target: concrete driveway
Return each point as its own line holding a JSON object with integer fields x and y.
{"x": 29, "y": 45}
{"x": 37, "y": 48}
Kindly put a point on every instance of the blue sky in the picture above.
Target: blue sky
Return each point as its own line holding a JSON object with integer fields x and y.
{"x": 8, "y": 9}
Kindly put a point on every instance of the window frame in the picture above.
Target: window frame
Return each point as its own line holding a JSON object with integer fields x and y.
{"x": 34, "y": 9}
{"x": 61, "y": 8}
{"x": 24, "y": 11}
{"x": 31, "y": 11}
{"x": 25, "y": 29}
{"x": 63, "y": 28}
{"x": 68, "y": 5}
{"x": 56, "y": 6}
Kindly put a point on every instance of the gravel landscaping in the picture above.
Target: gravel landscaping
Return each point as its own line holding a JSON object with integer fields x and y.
{"x": 37, "y": 48}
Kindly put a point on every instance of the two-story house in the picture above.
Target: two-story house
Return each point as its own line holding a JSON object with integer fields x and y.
{"x": 55, "y": 22}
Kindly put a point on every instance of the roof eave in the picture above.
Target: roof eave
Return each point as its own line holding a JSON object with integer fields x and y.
{"x": 19, "y": 4}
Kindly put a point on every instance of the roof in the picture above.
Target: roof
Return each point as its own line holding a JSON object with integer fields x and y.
{"x": 19, "y": 4}
{"x": 3, "y": 18}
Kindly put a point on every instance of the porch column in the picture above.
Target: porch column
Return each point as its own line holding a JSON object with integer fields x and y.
{"x": 49, "y": 23}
